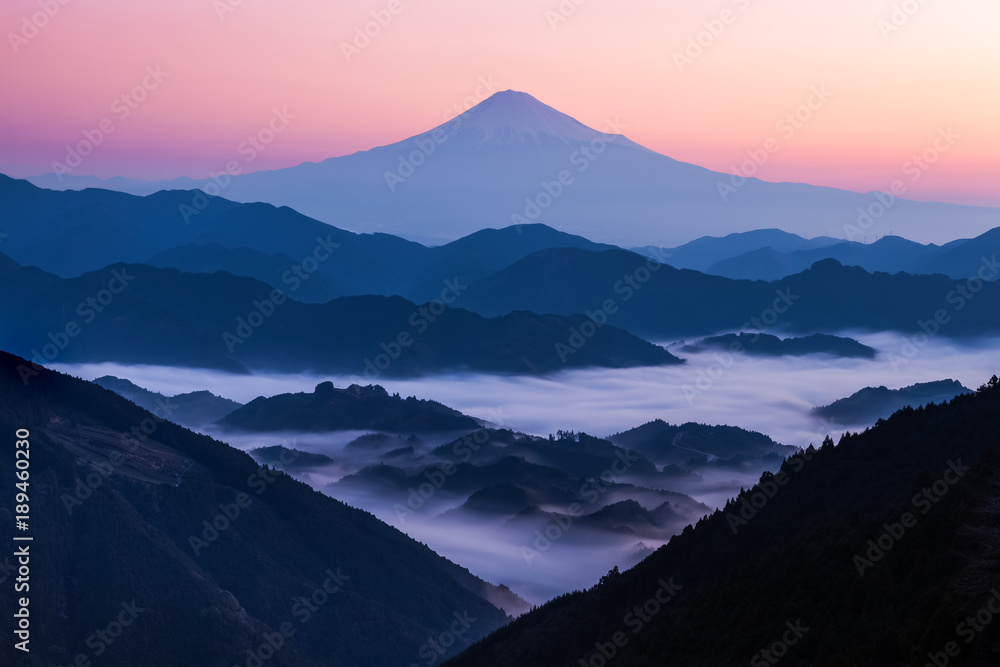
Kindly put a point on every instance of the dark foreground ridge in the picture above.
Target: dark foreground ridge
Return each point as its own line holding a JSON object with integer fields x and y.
{"x": 881, "y": 550}
{"x": 154, "y": 545}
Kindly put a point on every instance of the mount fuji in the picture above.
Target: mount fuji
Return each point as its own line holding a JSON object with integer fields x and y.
{"x": 514, "y": 160}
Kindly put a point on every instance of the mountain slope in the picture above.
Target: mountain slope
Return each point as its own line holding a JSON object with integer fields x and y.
{"x": 659, "y": 302}
{"x": 706, "y": 251}
{"x": 890, "y": 254}
{"x": 275, "y": 270}
{"x": 873, "y": 403}
{"x": 771, "y": 346}
{"x": 684, "y": 444}
{"x": 7, "y": 263}
{"x": 351, "y": 408}
{"x": 69, "y": 233}
{"x": 771, "y": 255}
{"x": 480, "y": 254}
{"x": 954, "y": 258}
{"x": 823, "y": 549}
{"x": 193, "y": 409}
{"x": 513, "y": 159}
{"x": 162, "y": 316}
{"x": 219, "y": 553}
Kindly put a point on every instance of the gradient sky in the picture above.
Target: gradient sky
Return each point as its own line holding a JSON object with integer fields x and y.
{"x": 230, "y": 62}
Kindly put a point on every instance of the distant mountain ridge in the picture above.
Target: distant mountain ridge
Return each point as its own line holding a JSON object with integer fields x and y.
{"x": 671, "y": 303}
{"x": 761, "y": 344}
{"x": 350, "y": 408}
{"x": 163, "y": 316}
{"x": 693, "y": 444}
{"x": 873, "y": 403}
{"x": 290, "y": 251}
{"x": 890, "y": 254}
{"x": 69, "y": 233}
{"x": 706, "y": 251}
{"x": 513, "y": 159}
{"x": 192, "y": 409}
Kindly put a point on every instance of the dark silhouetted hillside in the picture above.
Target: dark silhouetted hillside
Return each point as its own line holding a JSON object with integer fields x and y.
{"x": 166, "y": 317}
{"x": 351, "y": 408}
{"x": 873, "y": 403}
{"x": 659, "y": 302}
{"x": 692, "y": 445}
{"x": 192, "y": 409}
{"x": 219, "y": 553}
{"x": 877, "y": 550}
{"x": 766, "y": 345}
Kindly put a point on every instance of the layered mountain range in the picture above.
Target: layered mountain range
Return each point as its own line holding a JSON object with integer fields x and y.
{"x": 238, "y": 261}
{"x": 213, "y": 553}
{"x": 547, "y": 246}
{"x": 888, "y": 538}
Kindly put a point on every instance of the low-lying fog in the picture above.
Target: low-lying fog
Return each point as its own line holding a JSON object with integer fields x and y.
{"x": 765, "y": 394}
{"x": 769, "y": 395}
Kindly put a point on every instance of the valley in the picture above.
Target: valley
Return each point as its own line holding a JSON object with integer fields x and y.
{"x": 418, "y": 480}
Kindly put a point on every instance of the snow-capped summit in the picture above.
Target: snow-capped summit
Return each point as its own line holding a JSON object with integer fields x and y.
{"x": 513, "y": 118}
{"x": 514, "y": 160}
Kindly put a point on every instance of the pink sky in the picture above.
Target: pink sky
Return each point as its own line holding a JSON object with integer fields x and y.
{"x": 892, "y": 92}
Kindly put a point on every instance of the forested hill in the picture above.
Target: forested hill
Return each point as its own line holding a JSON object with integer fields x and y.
{"x": 225, "y": 559}
{"x": 870, "y": 552}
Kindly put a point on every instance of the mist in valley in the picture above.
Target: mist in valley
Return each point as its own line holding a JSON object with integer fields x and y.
{"x": 537, "y": 557}
{"x": 769, "y": 395}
